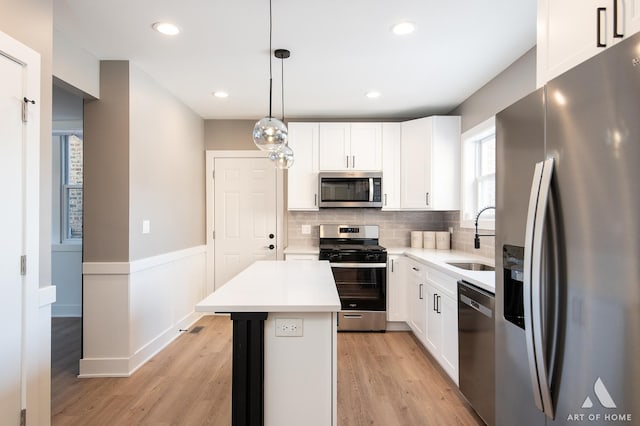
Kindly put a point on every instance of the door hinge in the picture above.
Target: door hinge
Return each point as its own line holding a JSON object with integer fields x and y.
{"x": 25, "y": 108}
{"x": 213, "y": 174}
{"x": 23, "y": 265}
{"x": 23, "y": 417}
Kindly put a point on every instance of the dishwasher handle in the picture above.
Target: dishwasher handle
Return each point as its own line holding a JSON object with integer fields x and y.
{"x": 470, "y": 301}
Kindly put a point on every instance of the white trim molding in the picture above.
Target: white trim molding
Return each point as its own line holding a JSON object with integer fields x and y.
{"x": 132, "y": 310}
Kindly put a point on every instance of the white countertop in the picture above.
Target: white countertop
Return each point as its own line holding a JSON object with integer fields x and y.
{"x": 438, "y": 259}
{"x": 277, "y": 286}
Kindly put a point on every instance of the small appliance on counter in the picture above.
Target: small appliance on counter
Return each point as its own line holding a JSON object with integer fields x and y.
{"x": 359, "y": 267}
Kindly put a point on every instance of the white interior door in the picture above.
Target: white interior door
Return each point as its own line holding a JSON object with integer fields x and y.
{"x": 245, "y": 219}
{"x": 11, "y": 226}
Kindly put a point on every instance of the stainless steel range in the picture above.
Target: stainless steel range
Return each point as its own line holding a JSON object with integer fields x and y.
{"x": 359, "y": 267}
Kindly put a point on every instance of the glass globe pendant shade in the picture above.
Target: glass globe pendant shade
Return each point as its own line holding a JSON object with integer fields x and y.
{"x": 283, "y": 157}
{"x": 269, "y": 134}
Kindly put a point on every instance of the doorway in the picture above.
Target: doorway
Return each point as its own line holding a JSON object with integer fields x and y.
{"x": 244, "y": 213}
{"x": 67, "y": 177}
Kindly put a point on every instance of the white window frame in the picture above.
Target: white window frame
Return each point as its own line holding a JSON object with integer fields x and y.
{"x": 65, "y": 188}
{"x": 470, "y": 184}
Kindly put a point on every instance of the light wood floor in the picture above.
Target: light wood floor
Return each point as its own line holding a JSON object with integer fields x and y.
{"x": 384, "y": 379}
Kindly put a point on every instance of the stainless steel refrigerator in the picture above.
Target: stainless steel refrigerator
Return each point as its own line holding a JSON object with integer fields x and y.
{"x": 568, "y": 247}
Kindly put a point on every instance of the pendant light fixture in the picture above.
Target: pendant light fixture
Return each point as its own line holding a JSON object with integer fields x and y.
{"x": 283, "y": 156}
{"x": 269, "y": 133}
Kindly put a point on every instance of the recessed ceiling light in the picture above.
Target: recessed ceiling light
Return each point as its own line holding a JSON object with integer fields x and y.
{"x": 166, "y": 28}
{"x": 220, "y": 94}
{"x": 372, "y": 94}
{"x": 403, "y": 28}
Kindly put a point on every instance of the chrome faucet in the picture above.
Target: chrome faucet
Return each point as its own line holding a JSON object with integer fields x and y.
{"x": 476, "y": 239}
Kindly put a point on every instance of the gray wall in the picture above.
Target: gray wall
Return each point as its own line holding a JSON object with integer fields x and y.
{"x": 106, "y": 168}
{"x": 31, "y": 23}
{"x": 166, "y": 169}
{"x": 229, "y": 134}
{"x": 144, "y": 160}
{"x": 513, "y": 83}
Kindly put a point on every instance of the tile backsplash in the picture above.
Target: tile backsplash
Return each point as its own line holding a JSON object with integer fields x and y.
{"x": 395, "y": 227}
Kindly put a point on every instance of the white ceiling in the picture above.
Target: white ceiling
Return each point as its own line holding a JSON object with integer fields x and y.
{"x": 340, "y": 49}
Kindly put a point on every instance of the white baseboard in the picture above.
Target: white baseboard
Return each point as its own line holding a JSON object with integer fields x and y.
{"x": 397, "y": 326}
{"x": 162, "y": 341}
{"x": 66, "y": 310}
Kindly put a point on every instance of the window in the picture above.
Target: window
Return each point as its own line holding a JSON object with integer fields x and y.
{"x": 479, "y": 175}
{"x": 71, "y": 187}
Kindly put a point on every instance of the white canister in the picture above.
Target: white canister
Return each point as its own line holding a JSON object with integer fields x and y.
{"x": 429, "y": 239}
{"x": 443, "y": 240}
{"x": 416, "y": 239}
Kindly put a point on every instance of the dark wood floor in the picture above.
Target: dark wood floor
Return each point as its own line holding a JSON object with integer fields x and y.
{"x": 383, "y": 379}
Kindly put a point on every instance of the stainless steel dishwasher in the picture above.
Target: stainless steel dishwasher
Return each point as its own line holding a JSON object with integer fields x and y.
{"x": 476, "y": 349}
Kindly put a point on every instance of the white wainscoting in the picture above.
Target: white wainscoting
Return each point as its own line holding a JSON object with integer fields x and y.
{"x": 66, "y": 275}
{"x": 132, "y": 310}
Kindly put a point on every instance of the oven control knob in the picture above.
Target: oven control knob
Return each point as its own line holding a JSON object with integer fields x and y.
{"x": 334, "y": 256}
{"x": 371, "y": 256}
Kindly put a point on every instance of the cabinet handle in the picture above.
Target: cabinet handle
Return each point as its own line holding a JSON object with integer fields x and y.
{"x": 392, "y": 262}
{"x": 347, "y": 161}
{"x": 353, "y": 161}
{"x": 315, "y": 199}
{"x": 601, "y": 11}
{"x": 415, "y": 269}
{"x": 385, "y": 199}
{"x": 435, "y": 298}
{"x": 616, "y": 34}
{"x": 427, "y": 198}
{"x": 420, "y": 291}
{"x": 438, "y": 310}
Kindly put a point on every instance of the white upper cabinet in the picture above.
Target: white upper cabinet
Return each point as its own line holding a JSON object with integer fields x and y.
{"x": 572, "y": 31}
{"x": 390, "y": 166}
{"x": 430, "y": 164}
{"x": 350, "y": 146}
{"x": 303, "y": 175}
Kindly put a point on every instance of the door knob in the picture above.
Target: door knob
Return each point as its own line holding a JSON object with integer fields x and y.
{"x": 270, "y": 247}
{"x": 271, "y": 236}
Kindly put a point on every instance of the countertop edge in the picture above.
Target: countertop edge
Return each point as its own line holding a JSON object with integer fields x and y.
{"x": 437, "y": 259}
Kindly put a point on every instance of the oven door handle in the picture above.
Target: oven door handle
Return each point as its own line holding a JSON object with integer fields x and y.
{"x": 358, "y": 265}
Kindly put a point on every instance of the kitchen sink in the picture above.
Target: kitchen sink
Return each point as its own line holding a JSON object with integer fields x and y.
{"x": 472, "y": 266}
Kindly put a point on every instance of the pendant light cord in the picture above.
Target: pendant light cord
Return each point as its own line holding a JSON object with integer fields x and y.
{"x": 270, "y": 51}
{"x": 282, "y": 85}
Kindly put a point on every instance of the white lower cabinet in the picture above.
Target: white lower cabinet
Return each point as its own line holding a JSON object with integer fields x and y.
{"x": 396, "y": 289}
{"x": 433, "y": 313}
{"x": 416, "y": 298}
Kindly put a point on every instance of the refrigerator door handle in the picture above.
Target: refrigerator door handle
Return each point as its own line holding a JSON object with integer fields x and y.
{"x": 534, "y": 234}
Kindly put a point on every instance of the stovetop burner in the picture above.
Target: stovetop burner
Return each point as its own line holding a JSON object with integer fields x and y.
{"x": 351, "y": 243}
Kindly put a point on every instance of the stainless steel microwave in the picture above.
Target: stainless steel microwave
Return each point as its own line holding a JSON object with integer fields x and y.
{"x": 350, "y": 189}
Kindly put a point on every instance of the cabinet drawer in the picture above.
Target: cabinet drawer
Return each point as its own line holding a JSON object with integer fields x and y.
{"x": 447, "y": 284}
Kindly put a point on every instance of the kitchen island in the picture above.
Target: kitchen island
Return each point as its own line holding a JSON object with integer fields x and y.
{"x": 284, "y": 342}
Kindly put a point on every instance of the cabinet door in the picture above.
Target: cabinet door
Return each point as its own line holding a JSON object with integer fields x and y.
{"x": 390, "y": 166}
{"x": 569, "y": 31}
{"x": 632, "y": 17}
{"x": 396, "y": 290}
{"x": 416, "y": 300}
{"x": 415, "y": 163}
{"x": 335, "y": 146}
{"x": 302, "y": 178}
{"x": 366, "y": 146}
{"x": 434, "y": 321}
{"x": 449, "y": 341}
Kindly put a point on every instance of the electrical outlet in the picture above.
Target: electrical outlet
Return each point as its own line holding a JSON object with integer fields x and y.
{"x": 146, "y": 226}
{"x": 306, "y": 230}
{"x": 451, "y": 229}
{"x": 289, "y": 327}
